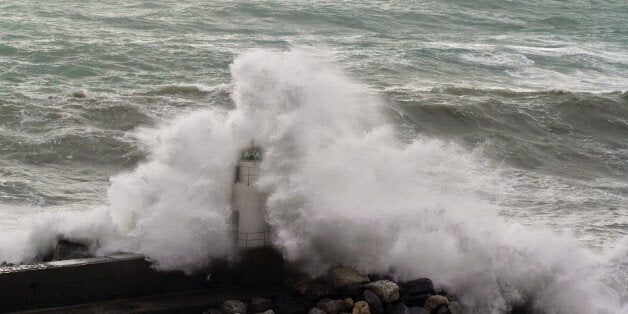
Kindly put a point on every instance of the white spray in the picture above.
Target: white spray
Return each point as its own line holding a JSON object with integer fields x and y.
{"x": 343, "y": 189}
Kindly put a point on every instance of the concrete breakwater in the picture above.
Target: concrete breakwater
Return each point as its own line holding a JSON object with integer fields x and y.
{"x": 78, "y": 281}
{"x": 72, "y": 281}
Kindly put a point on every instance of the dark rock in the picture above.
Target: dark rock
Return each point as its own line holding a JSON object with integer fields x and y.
{"x": 330, "y": 306}
{"x": 70, "y": 250}
{"x": 376, "y": 277}
{"x": 348, "y": 304}
{"x": 335, "y": 306}
{"x": 452, "y": 308}
{"x": 523, "y": 307}
{"x": 417, "y": 310}
{"x": 313, "y": 290}
{"x": 441, "y": 310}
{"x": 419, "y": 286}
{"x": 303, "y": 301}
{"x": 316, "y": 311}
{"x": 386, "y": 290}
{"x": 285, "y": 297}
{"x": 286, "y": 304}
{"x": 403, "y": 296}
{"x": 260, "y": 304}
{"x": 375, "y": 304}
{"x": 434, "y": 302}
{"x": 353, "y": 291}
{"x": 322, "y": 304}
{"x": 340, "y": 277}
{"x": 418, "y": 300}
{"x": 233, "y": 307}
{"x": 400, "y": 308}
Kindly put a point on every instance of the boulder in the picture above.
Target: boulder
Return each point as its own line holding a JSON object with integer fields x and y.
{"x": 316, "y": 311}
{"x": 434, "y": 302}
{"x": 335, "y": 306}
{"x": 340, "y": 277}
{"x": 329, "y": 305}
{"x": 373, "y": 301}
{"x": 417, "y": 300}
{"x": 233, "y": 307}
{"x": 361, "y": 307}
{"x": 452, "y": 308}
{"x": 376, "y": 277}
{"x": 419, "y": 286}
{"x": 399, "y": 308}
{"x": 418, "y": 310}
{"x": 313, "y": 290}
{"x": 403, "y": 296}
{"x": 285, "y": 304}
{"x": 353, "y": 291}
{"x": 386, "y": 290}
{"x": 348, "y": 304}
{"x": 260, "y": 305}
{"x": 442, "y": 310}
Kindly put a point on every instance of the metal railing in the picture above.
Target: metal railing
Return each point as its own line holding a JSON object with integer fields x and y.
{"x": 254, "y": 237}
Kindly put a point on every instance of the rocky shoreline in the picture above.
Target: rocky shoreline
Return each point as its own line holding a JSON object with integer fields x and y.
{"x": 344, "y": 290}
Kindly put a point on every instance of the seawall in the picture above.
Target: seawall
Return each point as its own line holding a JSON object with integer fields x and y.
{"x": 79, "y": 281}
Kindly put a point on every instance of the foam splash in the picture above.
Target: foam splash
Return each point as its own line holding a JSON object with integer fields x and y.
{"x": 343, "y": 189}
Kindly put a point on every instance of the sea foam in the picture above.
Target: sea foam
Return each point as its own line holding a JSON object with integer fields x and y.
{"x": 343, "y": 189}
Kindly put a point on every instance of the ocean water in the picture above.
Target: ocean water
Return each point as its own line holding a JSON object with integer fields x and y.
{"x": 483, "y": 144}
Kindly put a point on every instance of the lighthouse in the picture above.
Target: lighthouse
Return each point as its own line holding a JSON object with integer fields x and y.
{"x": 251, "y": 228}
{"x": 261, "y": 266}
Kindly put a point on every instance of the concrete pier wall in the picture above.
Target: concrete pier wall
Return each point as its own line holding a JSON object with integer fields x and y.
{"x": 87, "y": 280}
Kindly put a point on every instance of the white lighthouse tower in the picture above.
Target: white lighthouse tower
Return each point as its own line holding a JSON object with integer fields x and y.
{"x": 261, "y": 265}
{"x": 251, "y": 228}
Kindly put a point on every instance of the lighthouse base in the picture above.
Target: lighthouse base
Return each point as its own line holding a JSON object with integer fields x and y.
{"x": 260, "y": 268}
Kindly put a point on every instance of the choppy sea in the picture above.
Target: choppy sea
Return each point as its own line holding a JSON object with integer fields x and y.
{"x": 483, "y": 144}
